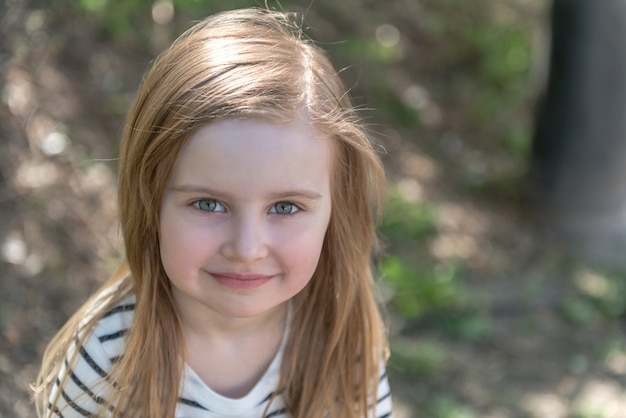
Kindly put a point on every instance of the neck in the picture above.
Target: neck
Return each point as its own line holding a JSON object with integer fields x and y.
{"x": 204, "y": 323}
{"x": 230, "y": 354}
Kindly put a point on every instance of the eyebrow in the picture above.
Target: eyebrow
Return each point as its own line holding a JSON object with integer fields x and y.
{"x": 300, "y": 193}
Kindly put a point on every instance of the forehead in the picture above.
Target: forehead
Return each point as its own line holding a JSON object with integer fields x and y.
{"x": 252, "y": 155}
{"x": 256, "y": 140}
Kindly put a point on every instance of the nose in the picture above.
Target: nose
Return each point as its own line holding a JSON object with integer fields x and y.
{"x": 247, "y": 240}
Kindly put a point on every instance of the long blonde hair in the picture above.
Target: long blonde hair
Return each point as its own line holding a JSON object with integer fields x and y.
{"x": 245, "y": 63}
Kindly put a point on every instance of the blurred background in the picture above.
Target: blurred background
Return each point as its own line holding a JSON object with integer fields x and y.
{"x": 502, "y": 124}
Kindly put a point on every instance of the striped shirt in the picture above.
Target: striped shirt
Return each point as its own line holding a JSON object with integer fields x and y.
{"x": 87, "y": 384}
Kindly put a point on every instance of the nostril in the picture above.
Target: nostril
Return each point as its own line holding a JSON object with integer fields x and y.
{"x": 246, "y": 242}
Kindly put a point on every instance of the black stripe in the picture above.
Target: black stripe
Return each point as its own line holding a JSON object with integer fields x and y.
{"x": 91, "y": 362}
{"x": 97, "y": 399}
{"x": 120, "y": 308}
{"x": 276, "y": 413}
{"x": 267, "y": 398}
{"x": 116, "y": 359}
{"x": 82, "y": 386}
{"x": 113, "y": 336}
{"x": 383, "y": 398}
{"x": 383, "y": 376}
{"x": 192, "y": 404}
{"x": 387, "y": 415}
{"x": 56, "y": 410}
{"x": 75, "y": 407}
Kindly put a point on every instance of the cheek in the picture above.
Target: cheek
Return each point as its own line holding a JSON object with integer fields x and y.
{"x": 181, "y": 248}
{"x": 302, "y": 250}
{"x": 170, "y": 251}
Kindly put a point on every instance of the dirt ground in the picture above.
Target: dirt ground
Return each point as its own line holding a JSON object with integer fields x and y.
{"x": 64, "y": 92}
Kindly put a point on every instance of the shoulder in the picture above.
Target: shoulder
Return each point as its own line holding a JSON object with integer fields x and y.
{"x": 103, "y": 344}
{"x": 383, "y": 397}
{"x": 108, "y": 333}
{"x": 84, "y": 382}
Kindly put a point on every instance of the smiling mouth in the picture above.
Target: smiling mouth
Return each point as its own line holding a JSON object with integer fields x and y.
{"x": 241, "y": 281}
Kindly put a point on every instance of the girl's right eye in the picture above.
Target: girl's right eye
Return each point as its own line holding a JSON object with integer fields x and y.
{"x": 208, "y": 205}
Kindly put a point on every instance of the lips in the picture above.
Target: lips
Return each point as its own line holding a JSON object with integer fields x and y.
{"x": 241, "y": 280}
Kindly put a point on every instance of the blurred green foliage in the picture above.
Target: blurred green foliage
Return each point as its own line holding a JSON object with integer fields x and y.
{"x": 448, "y": 407}
{"x": 504, "y": 53}
{"x": 424, "y": 287}
{"x": 118, "y": 18}
{"x": 435, "y": 293}
{"x": 124, "y": 18}
{"x": 418, "y": 359}
{"x": 419, "y": 288}
{"x": 518, "y": 143}
{"x": 407, "y": 220}
{"x": 589, "y": 414}
{"x": 392, "y": 108}
{"x": 600, "y": 295}
{"x": 369, "y": 50}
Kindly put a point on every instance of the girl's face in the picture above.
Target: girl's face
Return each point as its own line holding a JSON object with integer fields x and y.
{"x": 244, "y": 216}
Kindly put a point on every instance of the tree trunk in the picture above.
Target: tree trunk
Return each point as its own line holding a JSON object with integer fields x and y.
{"x": 579, "y": 150}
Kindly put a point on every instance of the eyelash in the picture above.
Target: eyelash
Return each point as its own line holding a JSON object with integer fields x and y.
{"x": 198, "y": 205}
{"x": 293, "y": 206}
{"x": 215, "y": 204}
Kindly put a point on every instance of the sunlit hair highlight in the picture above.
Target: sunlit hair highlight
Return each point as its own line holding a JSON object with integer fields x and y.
{"x": 250, "y": 63}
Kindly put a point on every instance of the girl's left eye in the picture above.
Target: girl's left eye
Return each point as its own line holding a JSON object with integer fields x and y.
{"x": 284, "y": 208}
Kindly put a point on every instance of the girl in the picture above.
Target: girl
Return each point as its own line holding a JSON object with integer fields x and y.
{"x": 247, "y": 191}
